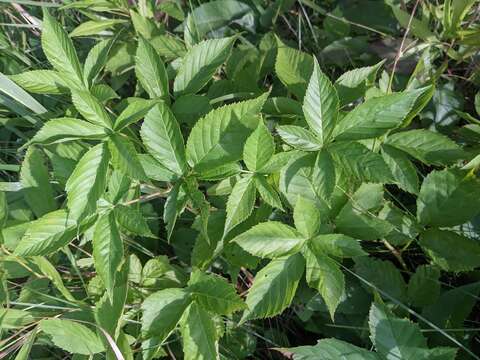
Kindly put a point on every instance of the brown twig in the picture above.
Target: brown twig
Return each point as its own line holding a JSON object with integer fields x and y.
{"x": 400, "y": 50}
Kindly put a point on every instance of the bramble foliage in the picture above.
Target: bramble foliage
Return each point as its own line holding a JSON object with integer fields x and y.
{"x": 178, "y": 195}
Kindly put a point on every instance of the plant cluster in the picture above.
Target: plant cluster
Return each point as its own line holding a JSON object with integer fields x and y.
{"x": 217, "y": 195}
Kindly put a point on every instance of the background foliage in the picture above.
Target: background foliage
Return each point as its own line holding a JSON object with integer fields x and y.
{"x": 233, "y": 179}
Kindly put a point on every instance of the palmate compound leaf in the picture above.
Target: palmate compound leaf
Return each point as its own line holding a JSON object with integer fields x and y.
{"x": 67, "y": 129}
{"x": 163, "y": 139}
{"x": 274, "y": 287}
{"x": 107, "y": 250}
{"x": 47, "y": 234}
{"x": 320, "y": 104}
{"x": 59, "y": 49}
{"x": 219, "y": 136}
{"x": 214, "y": 293}
{"x": 162, "y": 311}
{"x": 87, "y": 182}
{"x": 200, "y": 63}
{"x": 331, "y": 349}
{"x": 72, "y": 336}
{"x": 270, "y": 239}
{"x": 448, "y": 197}
{"x": 240, "y": 202}
{"x": 150, "y": 70}
{"x": 376, "y": 116}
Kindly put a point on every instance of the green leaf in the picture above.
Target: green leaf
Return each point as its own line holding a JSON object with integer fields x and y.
{"x": 323, "y": 175}
{"x": 67, "y": 129}
{"x": 124, "y": 157}
{"x": 331, "y": 349}
{"x": 219, "y": 136}
{"x": 63, "y": 331}
{"x": 36, "y": 185}
{"x": 424, "y": 286}
{"x": 270, "y": 239}
{"x": 163, "y": 139}
{"x": 87, "y": 182}
{"x": 296, "y": 180}
{"x": 280, "y": 276}
{"x": 108, "y": 313}
{"x": 9, "y": 88}
{"x": 107, "y": 250}
{"x": 324, "y": 275}
{"x": 144, "y": 26}
{"x": 259, "y": 148}
{"x": 199, "y": 334}
{"x": 267, "y": 192}
{"x": 41, "y": 82}
{"x": 24, "y": 352}
{"x": 321, "y": 104}
{"x": 306, "y": 217}
{"x": 150, "y": 70}
{"x": 451, "y": 251}
{"x": 357, "y": 217}
{"x": 162, "y": 311}
{"x": 427, "y": 146}
{"x": 59, "y": 49}
{"x": 189, "y": 108}
{"x": 357, "y": 161}
{"x": 214, "y": 15}
{"x": 200, "y": 63}
{"x": 90, "y": 108}
{"x": 132, "y": 220}
{"x": 134, "y": 112}
{"x": 154, "y": 169}
{"x": 93, "y": 27}
{"x": 354, "y": 83}
{"x": 15, "y": 319}
{"x": 405, "y": 227}
{"x": 376, "y": 116}
{"x": 240, "y": 202}
{"x": 214, "y": 293}
{"x": 96, "y": 59}
{"x": 337, "y": 245}
{"x": 173, "y": 207}
{"x": 394, "y": 338}
{"x": 448, "y": 197}
{"x": 293, "y": 68}
{"x": 403, "y": 171}
{"x": 49, "y": 271}
{"x": 299, "y": 138}
{"x": 47, "y": 234}
{"x": 382, "y": 275}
